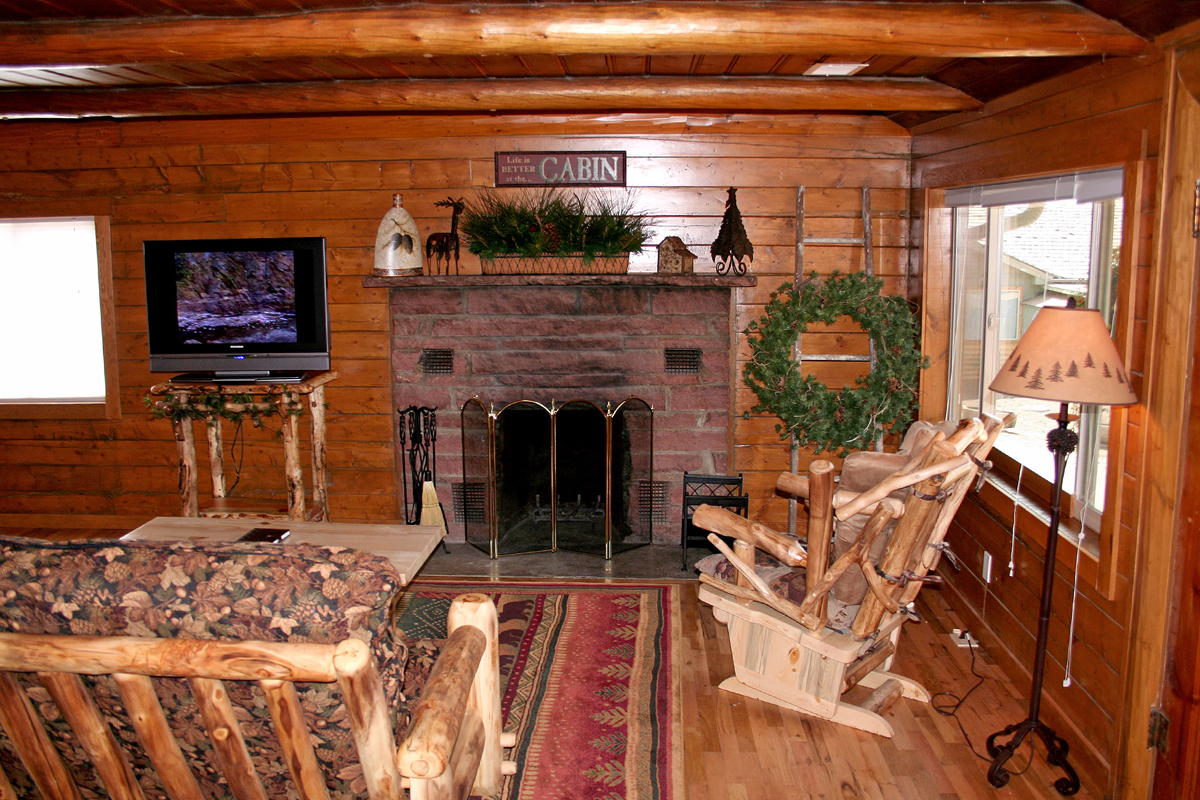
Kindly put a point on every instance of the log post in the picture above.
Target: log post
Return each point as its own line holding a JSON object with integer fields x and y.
{"x": 293, "y": 472}
{"x": 216, "y": 453}
{"x": 7, "y": 792}
{"x": 229, "y": 746}
{"x": 157, "y": 738}
{"x": 478, "y": 611}
{"x": 93, "y": 733}
{"x": 362, "y": 692}
{"x": 866, "y": 665}
{"x": 882, "y": 698}
{"x": 820, "y": 526}
{"x": 745, "y": 552}
{"x": 792, "y": 483}
{"x": 283, "y": 701}
{"x": 28, "y": 735}
{"x": 316, "y": 406}
{"x": 185, "y": 444}
{"x": 927, "y": 559}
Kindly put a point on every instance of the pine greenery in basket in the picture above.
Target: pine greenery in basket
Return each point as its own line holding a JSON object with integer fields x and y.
{"x": 536, "y": 224}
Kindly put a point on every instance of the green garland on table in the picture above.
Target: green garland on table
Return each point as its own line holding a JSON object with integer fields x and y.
{"x": 169, "y": 407}
{"x": 835, "y": 420}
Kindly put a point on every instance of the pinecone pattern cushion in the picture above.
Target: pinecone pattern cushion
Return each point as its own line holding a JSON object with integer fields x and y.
{"x": 211, "y": 590}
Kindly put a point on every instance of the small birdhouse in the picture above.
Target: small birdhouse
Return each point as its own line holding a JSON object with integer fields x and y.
{"x": 674, "y": 258}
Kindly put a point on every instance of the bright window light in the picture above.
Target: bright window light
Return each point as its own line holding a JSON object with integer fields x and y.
{"x": 1033, "y": 244}
{"x": 50, "y": 311}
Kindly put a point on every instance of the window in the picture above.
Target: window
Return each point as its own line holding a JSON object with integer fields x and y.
{"x": 1019, "y": 247}
{"x": 55, "y": 313}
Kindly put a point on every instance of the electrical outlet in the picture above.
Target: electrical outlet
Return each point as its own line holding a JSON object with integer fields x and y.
{"x": 963, "y": 638}
{"x": 987, "y": 566}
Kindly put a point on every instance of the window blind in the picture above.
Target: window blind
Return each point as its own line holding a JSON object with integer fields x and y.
{"x": 1082, "y": 187}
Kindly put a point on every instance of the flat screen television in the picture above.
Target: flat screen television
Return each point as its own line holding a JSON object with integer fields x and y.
{"x": 237, "y": 310}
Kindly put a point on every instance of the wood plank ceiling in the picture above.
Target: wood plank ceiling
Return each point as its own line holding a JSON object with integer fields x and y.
{"x": 77, "y": 58}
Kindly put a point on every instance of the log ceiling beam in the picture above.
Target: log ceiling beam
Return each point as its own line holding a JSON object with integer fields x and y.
{"x": 518, "y": 94}
{"x": 777, "y": 27}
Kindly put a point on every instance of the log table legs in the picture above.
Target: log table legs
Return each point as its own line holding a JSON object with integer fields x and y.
{"x": 289, "y": 400}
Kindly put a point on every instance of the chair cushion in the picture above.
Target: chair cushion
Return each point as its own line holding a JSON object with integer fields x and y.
{"x": 210, "y": 590}
{"x": 787, "y": 582}
{"x": 860, "y": 472}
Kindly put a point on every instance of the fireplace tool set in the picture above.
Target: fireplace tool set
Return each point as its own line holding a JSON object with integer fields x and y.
{"x": 418, "y": 441}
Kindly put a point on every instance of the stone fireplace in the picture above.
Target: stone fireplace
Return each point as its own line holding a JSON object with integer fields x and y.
{"x": 563, "y": 340}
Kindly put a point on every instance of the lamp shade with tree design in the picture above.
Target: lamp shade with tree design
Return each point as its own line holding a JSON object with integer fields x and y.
{"x": 1066, "y": 356}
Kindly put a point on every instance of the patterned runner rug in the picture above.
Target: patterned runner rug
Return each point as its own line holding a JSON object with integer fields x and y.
{"x": 588, "y": 673}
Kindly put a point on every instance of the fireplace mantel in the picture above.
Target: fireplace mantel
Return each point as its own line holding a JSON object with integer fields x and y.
{"x": 635, "y": 279}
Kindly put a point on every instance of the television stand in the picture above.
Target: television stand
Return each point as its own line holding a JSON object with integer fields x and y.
{"x": 271, "y": 394}
{"x": 226, "y": 378}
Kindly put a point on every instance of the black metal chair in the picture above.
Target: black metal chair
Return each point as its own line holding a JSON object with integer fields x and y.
{"x": 715, "y": 490}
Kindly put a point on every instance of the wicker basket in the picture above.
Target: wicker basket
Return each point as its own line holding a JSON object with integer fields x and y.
{"x": 554, "y": 265}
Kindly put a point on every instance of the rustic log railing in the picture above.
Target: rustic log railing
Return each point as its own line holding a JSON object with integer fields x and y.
{"x": 453, "y": 747}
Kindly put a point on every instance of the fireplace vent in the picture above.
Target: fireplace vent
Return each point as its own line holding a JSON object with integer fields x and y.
{"x": 437, "y": 362}
{"x": 653, "y": 499}
{"x": 682, "y": 361}
{"x": 469, "y": 501}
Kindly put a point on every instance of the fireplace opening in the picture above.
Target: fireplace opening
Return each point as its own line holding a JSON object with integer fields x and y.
{"x": 571, "y": 476}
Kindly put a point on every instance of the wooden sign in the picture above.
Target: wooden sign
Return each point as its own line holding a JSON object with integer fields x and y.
{"x": 561, "y": 168}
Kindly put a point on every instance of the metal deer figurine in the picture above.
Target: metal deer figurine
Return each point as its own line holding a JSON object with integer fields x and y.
{"x": 440, "y": 246}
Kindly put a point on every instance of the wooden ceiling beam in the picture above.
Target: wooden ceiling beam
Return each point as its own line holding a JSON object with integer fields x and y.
{"x": 772, "y": 27}
{"x": 517, "y": 94}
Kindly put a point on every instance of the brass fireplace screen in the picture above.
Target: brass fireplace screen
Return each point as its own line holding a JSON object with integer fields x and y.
{"x": 573, "y": 476}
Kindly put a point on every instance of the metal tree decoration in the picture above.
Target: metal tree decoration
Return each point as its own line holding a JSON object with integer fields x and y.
{"x": 732, "y": 248}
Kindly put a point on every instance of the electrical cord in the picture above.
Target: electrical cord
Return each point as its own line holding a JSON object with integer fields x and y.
{"x": 951, "y": 710}
{"x": 237, "y": 460}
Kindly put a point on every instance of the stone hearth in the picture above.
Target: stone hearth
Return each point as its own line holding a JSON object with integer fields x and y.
{"x": 667, "y": 339}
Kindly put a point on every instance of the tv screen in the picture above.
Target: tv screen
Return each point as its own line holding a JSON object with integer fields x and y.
{"x": 237, "y": 308}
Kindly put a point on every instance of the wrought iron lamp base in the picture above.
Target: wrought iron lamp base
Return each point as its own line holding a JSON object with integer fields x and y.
{"x": 1056, "y": 754}
{"x": 1062, "y": 442}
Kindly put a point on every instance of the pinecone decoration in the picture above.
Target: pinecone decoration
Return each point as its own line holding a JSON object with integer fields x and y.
{"x": 551, "y": 237}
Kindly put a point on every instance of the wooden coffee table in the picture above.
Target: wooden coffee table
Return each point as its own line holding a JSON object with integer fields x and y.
{"x": 406, "y": 546}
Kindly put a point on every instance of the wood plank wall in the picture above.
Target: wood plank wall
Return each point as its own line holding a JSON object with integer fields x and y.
{"x": 334, "y": 177}
{"x": 1108, "y": 115}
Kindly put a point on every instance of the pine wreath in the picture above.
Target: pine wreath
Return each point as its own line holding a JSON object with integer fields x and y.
{"x": 835, "y": 420}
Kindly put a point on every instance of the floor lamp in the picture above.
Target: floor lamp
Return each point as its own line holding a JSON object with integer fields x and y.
{"x": 1065, "y": 356}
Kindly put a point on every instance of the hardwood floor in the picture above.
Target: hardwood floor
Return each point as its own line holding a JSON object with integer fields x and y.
{"x": 737, "y": 748}
{"x": 742, "y": 749}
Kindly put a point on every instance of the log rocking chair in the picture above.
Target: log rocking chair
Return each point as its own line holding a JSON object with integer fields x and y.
{"x": 802, "y": 643}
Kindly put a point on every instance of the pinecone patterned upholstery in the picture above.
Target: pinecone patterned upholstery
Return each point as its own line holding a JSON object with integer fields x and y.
{"x": 211, "y": 590}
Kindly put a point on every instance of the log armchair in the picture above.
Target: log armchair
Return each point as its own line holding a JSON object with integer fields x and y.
{"x": 180, "y": 670}
{"x": 809, "y": 621}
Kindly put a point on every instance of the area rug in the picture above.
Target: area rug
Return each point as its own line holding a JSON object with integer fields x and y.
{"x": 590, "y": 683}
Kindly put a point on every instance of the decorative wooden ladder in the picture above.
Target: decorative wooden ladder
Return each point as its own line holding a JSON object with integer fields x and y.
{"x": 797, "y": 354}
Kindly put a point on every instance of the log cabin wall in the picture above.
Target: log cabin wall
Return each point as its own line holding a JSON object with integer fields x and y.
{"x": 1107, "y": 115}
{"x": 333, "y": 177}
